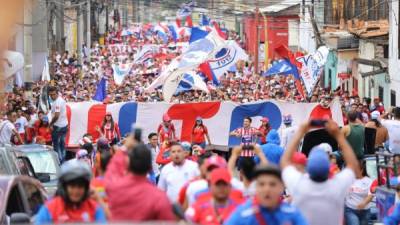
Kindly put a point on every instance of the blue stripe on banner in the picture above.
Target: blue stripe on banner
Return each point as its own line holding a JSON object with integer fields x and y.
{"x": 127, "y": 117}
{"x": 265, "y": 109}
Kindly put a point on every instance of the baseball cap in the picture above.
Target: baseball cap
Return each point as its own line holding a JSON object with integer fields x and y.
{"x": 108, "y": 113}
{"x": 287, "y": 119}
{"x": 220, "y": 174}
{"x": 186, "y": 146}
{"x": 265, "y": 119}
{"x": 299, "y": 158}
{"x": 216, "y": 162}
{"x": 325, "y": 147}
{"x": 375, "y": 115}
{"x": 199, "y": 118}
{"x": 81, "y": 154}
{"x": 166, "y": 118}
{"x": 102, "y": 143}
{"x": 318, "y": 165}
{"x": 268, "y": 170}
{"x": 45, "y": 119}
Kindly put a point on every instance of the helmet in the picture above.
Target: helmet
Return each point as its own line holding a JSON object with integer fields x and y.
{"x": 166, "y": 118}
{"x": 287, "y": 119}
{"x": 71, "y": 171}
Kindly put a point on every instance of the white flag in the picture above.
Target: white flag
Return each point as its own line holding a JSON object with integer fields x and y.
{"x": 46, "y": 71}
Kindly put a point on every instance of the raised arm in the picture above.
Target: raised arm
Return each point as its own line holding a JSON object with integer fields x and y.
{"x": 348, "y": 154}
{"x": 286, "y": 159}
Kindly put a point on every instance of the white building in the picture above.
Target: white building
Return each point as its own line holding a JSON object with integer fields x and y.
{"x": 394, "y": 56}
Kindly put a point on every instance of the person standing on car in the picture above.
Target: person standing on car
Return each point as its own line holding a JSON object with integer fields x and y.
{"x": 7, "y": 129}
{"x": 59, "y": 122}
{"x": 72, "y": 203}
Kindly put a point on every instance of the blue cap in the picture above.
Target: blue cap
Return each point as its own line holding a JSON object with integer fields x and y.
{"x": 186, "y": 146}
{"x": 45, "y": 119}
{"x": 318, "y": 165}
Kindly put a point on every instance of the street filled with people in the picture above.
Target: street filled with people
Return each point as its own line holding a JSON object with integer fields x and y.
{"x": 274, "y": 175}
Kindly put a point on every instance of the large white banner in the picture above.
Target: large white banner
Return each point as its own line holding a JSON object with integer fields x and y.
{"x": 219, "y": 117}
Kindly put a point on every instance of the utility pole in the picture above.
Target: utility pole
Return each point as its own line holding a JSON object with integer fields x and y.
{"x": 79, "y": 33}
{"x": 88, "y": 26}
{"x": 256, "y": 43}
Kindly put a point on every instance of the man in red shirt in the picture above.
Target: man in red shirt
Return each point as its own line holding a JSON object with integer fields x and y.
{"x": 215, "y": 209}
{"x": 131, "y": 196}
{"x": 166, "y": 130}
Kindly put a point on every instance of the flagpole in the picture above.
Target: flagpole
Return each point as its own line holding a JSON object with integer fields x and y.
{"x": 266, "y": 51}
{"x": 256, "y": 43}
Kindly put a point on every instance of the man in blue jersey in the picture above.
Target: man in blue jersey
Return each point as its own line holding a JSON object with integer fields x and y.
{"x": 266, "y": 208}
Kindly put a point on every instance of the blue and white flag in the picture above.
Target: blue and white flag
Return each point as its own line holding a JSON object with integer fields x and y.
{"x": 120, "y": 71}
{"x": 204, "y": 20}
{"x": 281, "y": 67}
{"x": 101, "y": 90}
{"x": 46, "y": 70}
{"x": 185, "y": 10}
{"x": 191, "y": 81}
{"x": 226, "y": 58}
{"x": 145, "y": 53}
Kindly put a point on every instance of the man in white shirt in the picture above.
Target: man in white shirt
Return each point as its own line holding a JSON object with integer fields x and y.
{"x": 320, "y": 199}
{"x": 59, "y": 122}
{"x": 155, "y": 149}
{"x": 287, "y": 132}
{"x": 176, "y": 173}
{"x": 393, "y": 127}
{"x": 7, "y": 128}
{"x": 21, "y": 124}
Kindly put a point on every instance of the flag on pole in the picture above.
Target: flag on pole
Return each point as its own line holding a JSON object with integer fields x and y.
{"x": 46, "y": 70}
{"x": 283, "y": 66}
{"x": 191, "y": 81}
{"x": 226, "y": 58}
{"x": 120, "y": 71}
{"x": 204, "y": 20}
{"x": 101, "y": 90}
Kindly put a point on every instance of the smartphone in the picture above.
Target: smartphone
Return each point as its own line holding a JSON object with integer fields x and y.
{"x": 318, "y": 123}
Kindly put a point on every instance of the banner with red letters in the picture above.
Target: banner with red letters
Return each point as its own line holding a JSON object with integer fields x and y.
{"x": 219, "y": 117}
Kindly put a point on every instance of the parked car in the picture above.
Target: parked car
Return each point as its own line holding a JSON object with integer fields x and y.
{"x": 37, "y": 161}
{"x": 21, "y": 197}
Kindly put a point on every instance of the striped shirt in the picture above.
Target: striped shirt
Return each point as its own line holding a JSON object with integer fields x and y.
{"x": 111, "y": 134}
{"x": 248, "y": 137}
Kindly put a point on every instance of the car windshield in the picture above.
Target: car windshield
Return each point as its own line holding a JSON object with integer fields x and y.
{"x": 43, "y": 162}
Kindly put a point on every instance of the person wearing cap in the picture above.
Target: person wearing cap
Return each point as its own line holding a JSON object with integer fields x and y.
{"x": 320, "y": 199}
{"x": 131, "y": 197}
{"x": 355, "y": 134}
{"x": 264, "y": 129}
{"x": 200, "y": 187}
{"x": 166, "y": 130}
{"x": 200, "y": 133}
{"x": 176, "y": 173}
{"x": 110, "y": 129}
{"x": 43, "y": 133}
{"x": 287, "y": 132}
{"x": 382, "y": 134}
{"x": 217, "y": 207}
{"x": 393, "y": 127}
{"x": 266, "y": 207}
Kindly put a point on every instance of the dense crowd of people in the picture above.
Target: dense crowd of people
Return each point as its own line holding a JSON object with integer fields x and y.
{"x": 267, "y": 179}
